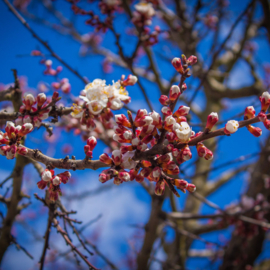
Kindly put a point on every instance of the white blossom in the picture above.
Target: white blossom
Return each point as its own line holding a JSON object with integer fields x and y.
{"x": 182, "y": 131}
{"x": 128, "y": 162}
{"x": 232, "y": 126}
{"x": 266, "y": 96}
{"x": 46, "y": 176}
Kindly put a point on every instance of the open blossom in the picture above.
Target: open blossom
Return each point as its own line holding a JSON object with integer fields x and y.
{"x": 143, "y": 14}
{"x": 127, "y": 161}
{"x": 182, "y": 131}
{"x": 231, "y": 127}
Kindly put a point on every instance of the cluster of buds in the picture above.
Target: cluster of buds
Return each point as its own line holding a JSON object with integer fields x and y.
{"x": 31, "y": 113}
{"x": 150, "y": 38}
{"x": 143, "y": 14}
{"x": 109, "y": 6}
{"x": 48, "y": 178}
{"x": 90, "y": 145}
{"x": 250, "y": 114}
{"x": 181, "y": 66}
{"x": 99, "y": 99}
{"x": 11, "y": 139}
{"x": 49, "y": 70}
{"x": 63, "y": 85}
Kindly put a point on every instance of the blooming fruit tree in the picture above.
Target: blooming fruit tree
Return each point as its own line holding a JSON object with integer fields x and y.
{"x": 151, "y": 147}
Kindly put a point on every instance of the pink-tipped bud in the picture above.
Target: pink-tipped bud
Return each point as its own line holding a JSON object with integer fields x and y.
{"x": 29, "y": 101}
{"x": 174, "y": 93}
{"x": 267, "y": 124}
{"x": 160, "y": 188}
{"x": 231, "y": 127}
{"x": 126, "y": 148}
{"x": 55, "y": 96}
{"x": 262, "y": 116}
{"x": 249, "y": 112}
{"x": 11, "y": 152}
{"x": 192, "y": 60}
{"x": 56, "y": 85}
{"x": 124, "y": 176}
{"x": 26, "y": 128}
{"x": 191, "y": 188}
{"x": 164, "y": 100}
{"x": 265, "y": 101}
{"x": 201, "y": 149}
{"x": 103, "y": 177}
{"x": 131, "y": 80}
{"x": 35, "y": 53}
{"x": 164, "y": 159}
{"x": 186, "y": 153}
{"x": 87, "y": 151}
{"x": 182, "y": 111}
{"x": 156, "y": 173}
{"x": 176, "y": 62}
{"x": 48, "y": 63}
{"x": 22, "y": 151}
{"x": 27, "y": 119}
{"x": 140, "y": 113}
{"x": 156, "y": 119}
{"x": 105, "y": 159}
{"x": 166, "y": 111}
{"x": 19, "y": 121}
{"x": 117, "y": 157}
{"x": 92, "y": 142}
{"x": 169, "y": 123}
{"x": 66, "y": 87}
{"x": 143, "y": 121}
{"x": 211, "y": 120}
{"x": 65, "y": 176}
{"x": 184, "y": 87}
{"x": 170, "y": 136}
{"x": 121, "y": 119}
{"x": 139, "y": 178}
{"x": 41, "y": 99}
{"x": 255, "y": 131}
{"x": 180, "y": 183}
{"x": 10, "y": 128}
{"x": 208, "y": 154}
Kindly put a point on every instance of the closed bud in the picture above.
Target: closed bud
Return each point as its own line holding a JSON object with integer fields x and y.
{"x": 139, "y": 178}
{"x": 124, "y": 176}
{"x": 41, "y": 99}
{"x": 170, "y": 136}
{"x": 208, "y": 154}
{"x": 249, "y": 112}
{"x": 176, "y": 62}
{"x": 146, "y": 163}
{"x": 169, "y": 123}
{"x": 29, "y": 101}
{"x": 105, "y": 159}
{"x": 117, "y": 157}
{"x": 26, "y": 128}
{"x": 140, "y": 113}
{"x": 55, "y": 96}
{"x": 164, "y": 100}
{"x": 166, "y": 111}
{"x": 265, "y": 101}
{"x": 201, "y": 149}
{"x": 22, "y": 151}
{"x": 47, "y": 175}
{"x": 182, "y": 111}
{"x": 174, "y": 93}
{"x": 131, "y": 80}
{"x": 211, "y": 120}
{"x": 191, "y": 188}
{"x": 11, "y": 152}
{"x": 180, "y": 183}
{"x": 192, "y": 60}
{"x": 56, "y": 181}
{"x": 255, "y": 131}
{"x": 19, "y": 121}
{"x": 65, "y": 176}
{"x": 184, "y": 87}
{"x": 186, "y": 154}
{"x": 92, "y": 142}
{"x": 160, "y": 188}
{"x": 122, "y": 120}
{"x": 143, "y": 121}
{"x": 126, "y": 148}
{"x": 262, "y": 116}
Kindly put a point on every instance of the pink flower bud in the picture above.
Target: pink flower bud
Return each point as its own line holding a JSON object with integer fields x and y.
{"x": 140, "y": 113}
{"x": 231, "y": 127}
{"x": 181, "y": 184}
{"x": 27, "y": 119}
{"x": 48, "y": 63}
{"x": 182, "y": 111}
{"x": 191, "y": 188}
{"x": 66, "y": 87}
{"x": 156, "y": 173}
{"x": 36, "y": 53}
{"x": 249, "y": 112}
{"x": 126, "y": 148}
{"x": 56, "y": 85}
{"x": 169, "y": 123}
{"x": 156, "y": 119}
{"x": 22, "y": 151}
{"x": 59, "y": 69}
{"x": 201, "y": 149}
{"x": 186, "y": 153}
{"x": 19, "y": 121}
{"x": 267, "y": 124}
{"x": 208, "y": 154}
{"x": 211, "y": 120}
{"x": 170, "y": 136}
{"x": 176, "y": 62}
{"x": 26, "y": 128}
{"x": 124, "y": 176}
{"x": 117, "y": 157}
{"x": 29, "y": 101}
{"x": 164, "y": 100}
{"x": 131, "y": 80}
{"x": 56, "y": 181}
{"x": 87, "y": 151}
{"x": 139, "y": 178}
{"x": 11, "y": 152}
{"x": 147, "y": 139}
{"x": 192, "y": 60}
{"x": 143, "y": 121}
{"x": 47, "y": 175}
{"x": 174, "y": 93}
{"x": 92, "y": 142}
{"x": 55, "y": 96}
{"x": 41, "y": 184}
{"x": 41, "y": 99}
{"x": 122, "y": 120}
{"x": 265, "y": 101}
{"x": 10, "y": 128}
{"x": 166, "y": 111}
{"x": 65, "y": 176}
{"x": 105, "y": 159}
{"x": 164, "y": 159}
{"x": 103, "y": 177}
{"x": 184, "y": 87}
{"x": 160, "y": 188}
{"x": 3, "y": 138}
{"x": 255, "y": 131}
{"x": 262, "y": 116}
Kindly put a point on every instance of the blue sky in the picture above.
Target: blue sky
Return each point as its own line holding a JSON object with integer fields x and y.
{"x": 127, "y": 204}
